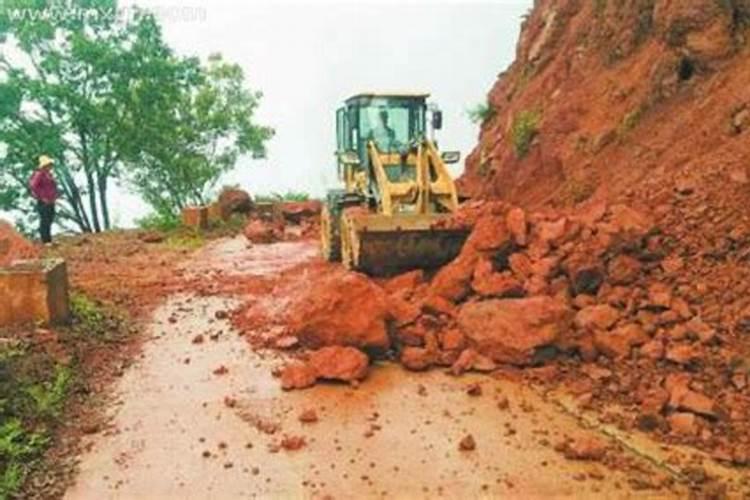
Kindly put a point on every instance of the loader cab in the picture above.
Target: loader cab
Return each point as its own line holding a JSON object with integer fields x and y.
{"x": 392, "y": 122}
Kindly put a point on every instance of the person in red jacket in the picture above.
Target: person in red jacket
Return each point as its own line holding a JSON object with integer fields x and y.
{"x": 44, "y": 190}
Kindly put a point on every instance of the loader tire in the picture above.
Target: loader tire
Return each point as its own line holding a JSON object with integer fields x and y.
{"x": 330, "y": 235}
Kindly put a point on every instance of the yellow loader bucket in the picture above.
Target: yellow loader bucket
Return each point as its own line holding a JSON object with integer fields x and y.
{"x": 388, "y": 244}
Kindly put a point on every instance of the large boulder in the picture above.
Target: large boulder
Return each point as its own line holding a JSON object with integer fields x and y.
{"x": 341, "y": 308}
{"x": 258, "y": 231}
{"x": 235, "y": 201}
{"x": 511, "y": 330}
{"x": 295, "y": 211}
{"x": 13, "y": 246}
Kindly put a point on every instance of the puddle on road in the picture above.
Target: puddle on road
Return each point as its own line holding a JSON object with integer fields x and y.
{"x": 182, "y": 429}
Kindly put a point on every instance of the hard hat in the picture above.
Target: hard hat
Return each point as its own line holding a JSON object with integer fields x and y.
{"x": 45, "y": 160}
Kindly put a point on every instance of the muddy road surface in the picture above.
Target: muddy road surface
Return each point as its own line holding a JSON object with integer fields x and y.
{"x": 200, "y": 415}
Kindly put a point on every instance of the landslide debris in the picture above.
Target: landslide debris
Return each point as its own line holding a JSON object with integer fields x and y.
{"x": 13, "y": 246}
{"x": 598, "y": 300}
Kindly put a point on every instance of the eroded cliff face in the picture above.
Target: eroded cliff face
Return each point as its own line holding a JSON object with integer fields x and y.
{"x": 606, "y": 95}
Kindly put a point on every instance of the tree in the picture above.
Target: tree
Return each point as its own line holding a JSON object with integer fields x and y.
{"x": 208, "y": 127}
{"x": 109, "y": 100}
{"x": 66, "y": 92}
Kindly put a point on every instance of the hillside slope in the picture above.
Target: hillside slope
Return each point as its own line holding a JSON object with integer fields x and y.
{"x": 612, "y": 95}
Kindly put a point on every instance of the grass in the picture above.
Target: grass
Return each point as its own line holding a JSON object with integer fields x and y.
{"x": 481, "y": 113}
{"x": 185, "y": 240}
{"x": 35, "y": 387}
{"x": 162, "y": 222}
{"x": 524, "y": 130}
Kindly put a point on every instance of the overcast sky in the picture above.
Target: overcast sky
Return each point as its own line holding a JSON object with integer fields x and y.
{"x": 307, "y": 58}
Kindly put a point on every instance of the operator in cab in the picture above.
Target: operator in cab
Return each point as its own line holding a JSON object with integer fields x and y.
{"x": 383, "y": 135}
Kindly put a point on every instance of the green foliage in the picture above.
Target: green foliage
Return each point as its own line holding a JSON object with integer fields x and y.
{"x": 186, "y": 240}
{"x": 49, "y": 396}
{"x": 157, "y": 221}
{"x": 524, "y": 129}
{"x": 109, "y": 100}
{"x": 207, "y": 127}
{"x": 18, "y": 447}
{"x": 481, "y": 113}
{"x": 288, "y": 196}
{"x": 92, "y": 319}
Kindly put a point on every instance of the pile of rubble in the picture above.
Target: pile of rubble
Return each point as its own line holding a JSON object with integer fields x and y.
{"x": 597, "y": 295}
{"x": 283, "y": 222}
{"x": 13, "y": 246}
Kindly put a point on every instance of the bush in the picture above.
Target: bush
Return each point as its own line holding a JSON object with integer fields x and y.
{"x": 158, "y": 221}
{"x": 480, "y": 113}
{"x": 288, "y": 196}
{"x": 524, "y": 129}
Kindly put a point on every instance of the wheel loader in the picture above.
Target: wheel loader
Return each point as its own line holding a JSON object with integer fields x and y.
{"x": 396, "y": 187}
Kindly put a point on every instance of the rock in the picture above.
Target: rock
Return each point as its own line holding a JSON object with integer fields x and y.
{"x": 684, "y": 424}
{"x": 467, "y": 443}
{"x": 453, "y": 282}
{"x": 659, "y": 296}
{"x": 308, "y": 416}
{"x": 586, "y": 448}
{"x": 235, "y": 201}
{"x": 405, "y": 282}
{"x": 298, "y": 376}
{"x": 489, "y": 233}
{"x": 286, "y": 342}
{"x": 623, "y": 270}
{"x": 417, "y": 358}
{"x": 500, "y": 285}
{"x": 521, "y": 266}
{"x": 654, "y": 401}
{"x": 653, "y": 350}
{"x": 151, "y": 237}
{"x": 295, "y": 211}
{"x": 618, "y": 343}
{"x": 452, "y": 340}
{"x": 436, "y": 305}
{"x": 682, "y": 354}
{"x": 474, "y": 389}
{"x": 697, "y": 403}
{"x": 344, "y": 309}
{"x": 402, "y": 312}
{"x": 629, "y": 221}
{"x": 697, "y": 327}
{"x": 510, "y": 330}
{"x": 465, "y": 361}
{"x": 258, "y": 231}
{"x": 599, "y": 317}
{"x": 672, "y": 264}
{"x": 515, "y": 221}
{"x": 293, "y": 443}
{"x": 681, "y": 397}
{"x": 552, "y": 232}
{"x": 339, "y": 363}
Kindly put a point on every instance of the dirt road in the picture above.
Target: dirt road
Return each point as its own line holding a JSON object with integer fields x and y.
{"x": 200, "y": 415}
